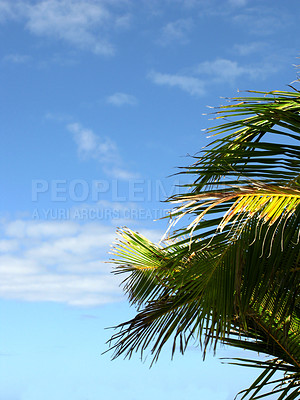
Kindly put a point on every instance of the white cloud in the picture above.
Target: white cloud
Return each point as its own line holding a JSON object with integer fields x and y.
{"x": 249, "y": 48}
{"x": 176, "y": 31}
{"x": 21, "y": 229}
{"x": 223, "y": 70}
{"x": 8, "y": 10}
{"x": 8, "y": 245}
{"x": 238, "y": 3}
{"x": 190, "y": 3}
{"x": 74, "y": 290}
{"x": 197, "y": 79}
{"x": 119, "y": 99}
{"x": 189, "y": 84}
{"x": 123, "y": 22}
{"x": 16, "y": 58}
{"x": 80, "y": 23}
{"x": 92, "y": 146}
{"x": 58, "y": 117}
{"x": 58, "y": 261}
{"x": 262, "y": 20}
{"x": 10, "y": 265}
{"x": 120, "y": 173}
{"x": 103, "y": 149}
{"x": 72, "y": 21}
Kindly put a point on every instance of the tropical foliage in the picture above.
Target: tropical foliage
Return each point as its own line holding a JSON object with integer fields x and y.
{"x": 231, "y": 273}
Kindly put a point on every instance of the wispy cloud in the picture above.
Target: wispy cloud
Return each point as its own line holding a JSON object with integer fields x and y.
{"x": 189, "y": 84}
{"x": 58, "y": 117}
{"x": 102, "y": 149}
{"x": 80, "y": 23}
{"x": 49, "y": 265}
{"x": 8, "y": 10}
{"x": 262, "y": 20}
{"x": 72, "y": 21}
{"x": 16, "y": 58}
{"x": 224, "y": 70}
{"x": 120, "y": 99}
{"x": 92, "y": 146}
{"x": 249, "y": 48}
{"x": 176, "y": 32}
{"x": 198, "y": 79}
{"x": 123, "y": 21}
{"x": 238, "y": 3}
{"x": 58, "y": 261}
{"x": 190, "y": 3}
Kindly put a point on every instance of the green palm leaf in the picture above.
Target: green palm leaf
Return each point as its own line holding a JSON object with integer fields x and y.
{"x": 230, "y": 273}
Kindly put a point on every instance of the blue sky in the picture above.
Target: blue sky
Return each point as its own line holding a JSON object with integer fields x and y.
{"x": 101, "y": 100}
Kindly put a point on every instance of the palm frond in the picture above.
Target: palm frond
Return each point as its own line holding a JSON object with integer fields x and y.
{"x": 230, "y": 275}
{"x": 269, "y": 204}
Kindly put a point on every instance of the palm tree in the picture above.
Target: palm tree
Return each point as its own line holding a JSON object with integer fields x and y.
{"x": 231, "y": 274}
